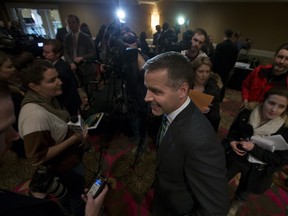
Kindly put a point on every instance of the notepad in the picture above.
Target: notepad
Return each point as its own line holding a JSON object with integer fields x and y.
{"x": 271, "y": 143}
{"x": 200, "y": 99}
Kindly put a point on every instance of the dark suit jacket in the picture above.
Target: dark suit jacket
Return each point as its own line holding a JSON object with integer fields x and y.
{"x": 14, "y": 204}
{"x": 70, "y": 97}
{"x": 85, "y": 49}
{"x": 61, "y": 32}
{"x": 190, "y": 176}
{"x": 256, "y": 180}
{"x": 224, "y": 59}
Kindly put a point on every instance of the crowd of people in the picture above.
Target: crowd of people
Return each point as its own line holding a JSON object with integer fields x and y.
{"x": 193, "y": 169}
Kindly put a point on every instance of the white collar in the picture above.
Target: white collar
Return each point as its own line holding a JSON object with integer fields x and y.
{"x": 173, "y": 115}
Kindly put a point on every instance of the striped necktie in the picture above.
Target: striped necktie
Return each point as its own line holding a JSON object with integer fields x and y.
{"x": 164, "y": 126}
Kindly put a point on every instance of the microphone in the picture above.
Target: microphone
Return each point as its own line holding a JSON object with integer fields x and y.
{"x": 76, "y": 124}
{"x": 74, "y": 119}
{"x": 246, "y": 132}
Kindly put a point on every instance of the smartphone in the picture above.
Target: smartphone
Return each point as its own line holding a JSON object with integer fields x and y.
{"x": 97, "y": 186}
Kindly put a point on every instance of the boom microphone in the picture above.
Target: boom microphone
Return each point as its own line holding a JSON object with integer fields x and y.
{"x": 74, "y": 119}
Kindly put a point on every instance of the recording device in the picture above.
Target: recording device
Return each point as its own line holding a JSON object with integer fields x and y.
{"x": 246, "y": 132}
{"x": 97, "y": 186}
{"x": 76, "y": 124}
{"x": 240, "y": 147}
{"x": 40, "y": 44}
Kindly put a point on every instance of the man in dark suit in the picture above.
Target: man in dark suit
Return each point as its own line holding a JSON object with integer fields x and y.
{"x": 224, "y": 59}
{"x": 61, "y": 32}
{"x": 156, "y": 36}
{"x": 190, "y": 176}
{"x": 80, "y": 52}
{"x": 53, "y": 50}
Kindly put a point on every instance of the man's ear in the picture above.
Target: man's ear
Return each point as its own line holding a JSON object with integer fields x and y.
{"x": 34, "y": 87}
{"x": 183, "y": 90}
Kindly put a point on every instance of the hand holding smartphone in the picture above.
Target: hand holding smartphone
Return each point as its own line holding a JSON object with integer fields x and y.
{"x": 97, "y": 186}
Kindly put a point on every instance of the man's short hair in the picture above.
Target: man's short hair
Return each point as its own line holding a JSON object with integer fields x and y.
{"x": 179, "y": 68}
{"x": 282, "y": 46}
{"x": 201, "y": 31}
{"x": 73, "y": 17}
{"x": 57, "y": 46}
{"x": 228, "y": 33}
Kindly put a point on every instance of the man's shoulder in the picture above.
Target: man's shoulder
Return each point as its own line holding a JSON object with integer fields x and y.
{"x": 201, "y": 54}
{"x": 84, "y": 35}
{"x": 61, "y": 66}
{"x": 17, "y": 204}
{"x": 263, "y": 68}
{"x": 63, "y": 29}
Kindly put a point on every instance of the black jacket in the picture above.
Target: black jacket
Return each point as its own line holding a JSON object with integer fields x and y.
{"x": 259, "y": 180}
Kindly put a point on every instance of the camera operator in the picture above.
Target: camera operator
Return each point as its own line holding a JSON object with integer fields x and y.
{"x": 167, "y": 37}
{"x": 13, "y": 204}
{"x": 133, "y": 75}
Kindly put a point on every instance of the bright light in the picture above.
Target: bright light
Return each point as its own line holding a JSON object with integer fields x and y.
{"x": 181, "y": 20}
{"x": 155, "y": 19}
{"x": 120, "y": 14}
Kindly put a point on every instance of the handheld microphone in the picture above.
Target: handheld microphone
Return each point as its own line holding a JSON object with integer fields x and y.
{"x": 76, "y": 124}
{"x": 246, "y": 132}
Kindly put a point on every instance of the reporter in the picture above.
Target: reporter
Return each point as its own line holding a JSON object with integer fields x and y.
{"x": 205, "y": 81}
{"x": 16, "y": 204}
{"x": 47, "y": 139}
{"x": 267, "y": 118}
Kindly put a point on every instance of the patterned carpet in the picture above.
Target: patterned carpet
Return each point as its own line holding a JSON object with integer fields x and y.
{"x": 131, "y": 193}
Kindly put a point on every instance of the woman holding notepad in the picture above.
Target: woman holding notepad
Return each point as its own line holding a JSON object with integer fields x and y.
{"x": 206, "y": 83}
{"x": 248, "y": 145}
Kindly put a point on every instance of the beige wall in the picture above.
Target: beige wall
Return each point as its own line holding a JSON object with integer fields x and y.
{"x": 137, "y": 16}
{"x": 264, "y": 23}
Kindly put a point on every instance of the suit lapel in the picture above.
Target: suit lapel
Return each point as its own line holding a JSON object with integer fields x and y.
{"x": 172, "y": 133}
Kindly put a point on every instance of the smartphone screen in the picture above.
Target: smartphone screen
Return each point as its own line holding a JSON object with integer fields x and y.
{"x": 97, "y": 186}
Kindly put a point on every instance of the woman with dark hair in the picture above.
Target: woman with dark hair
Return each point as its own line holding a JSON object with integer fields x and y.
{"x": 49, "y": 144}
{"x": 205, "y": 81}
{"x": 255, "y": 163}
{"x": 8, "y": 74}
{"x": 85, "y": 29}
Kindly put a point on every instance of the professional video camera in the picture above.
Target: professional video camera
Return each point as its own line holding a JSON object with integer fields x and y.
{"x": 31, "y": 43}
{"x": 184, "y": 44}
